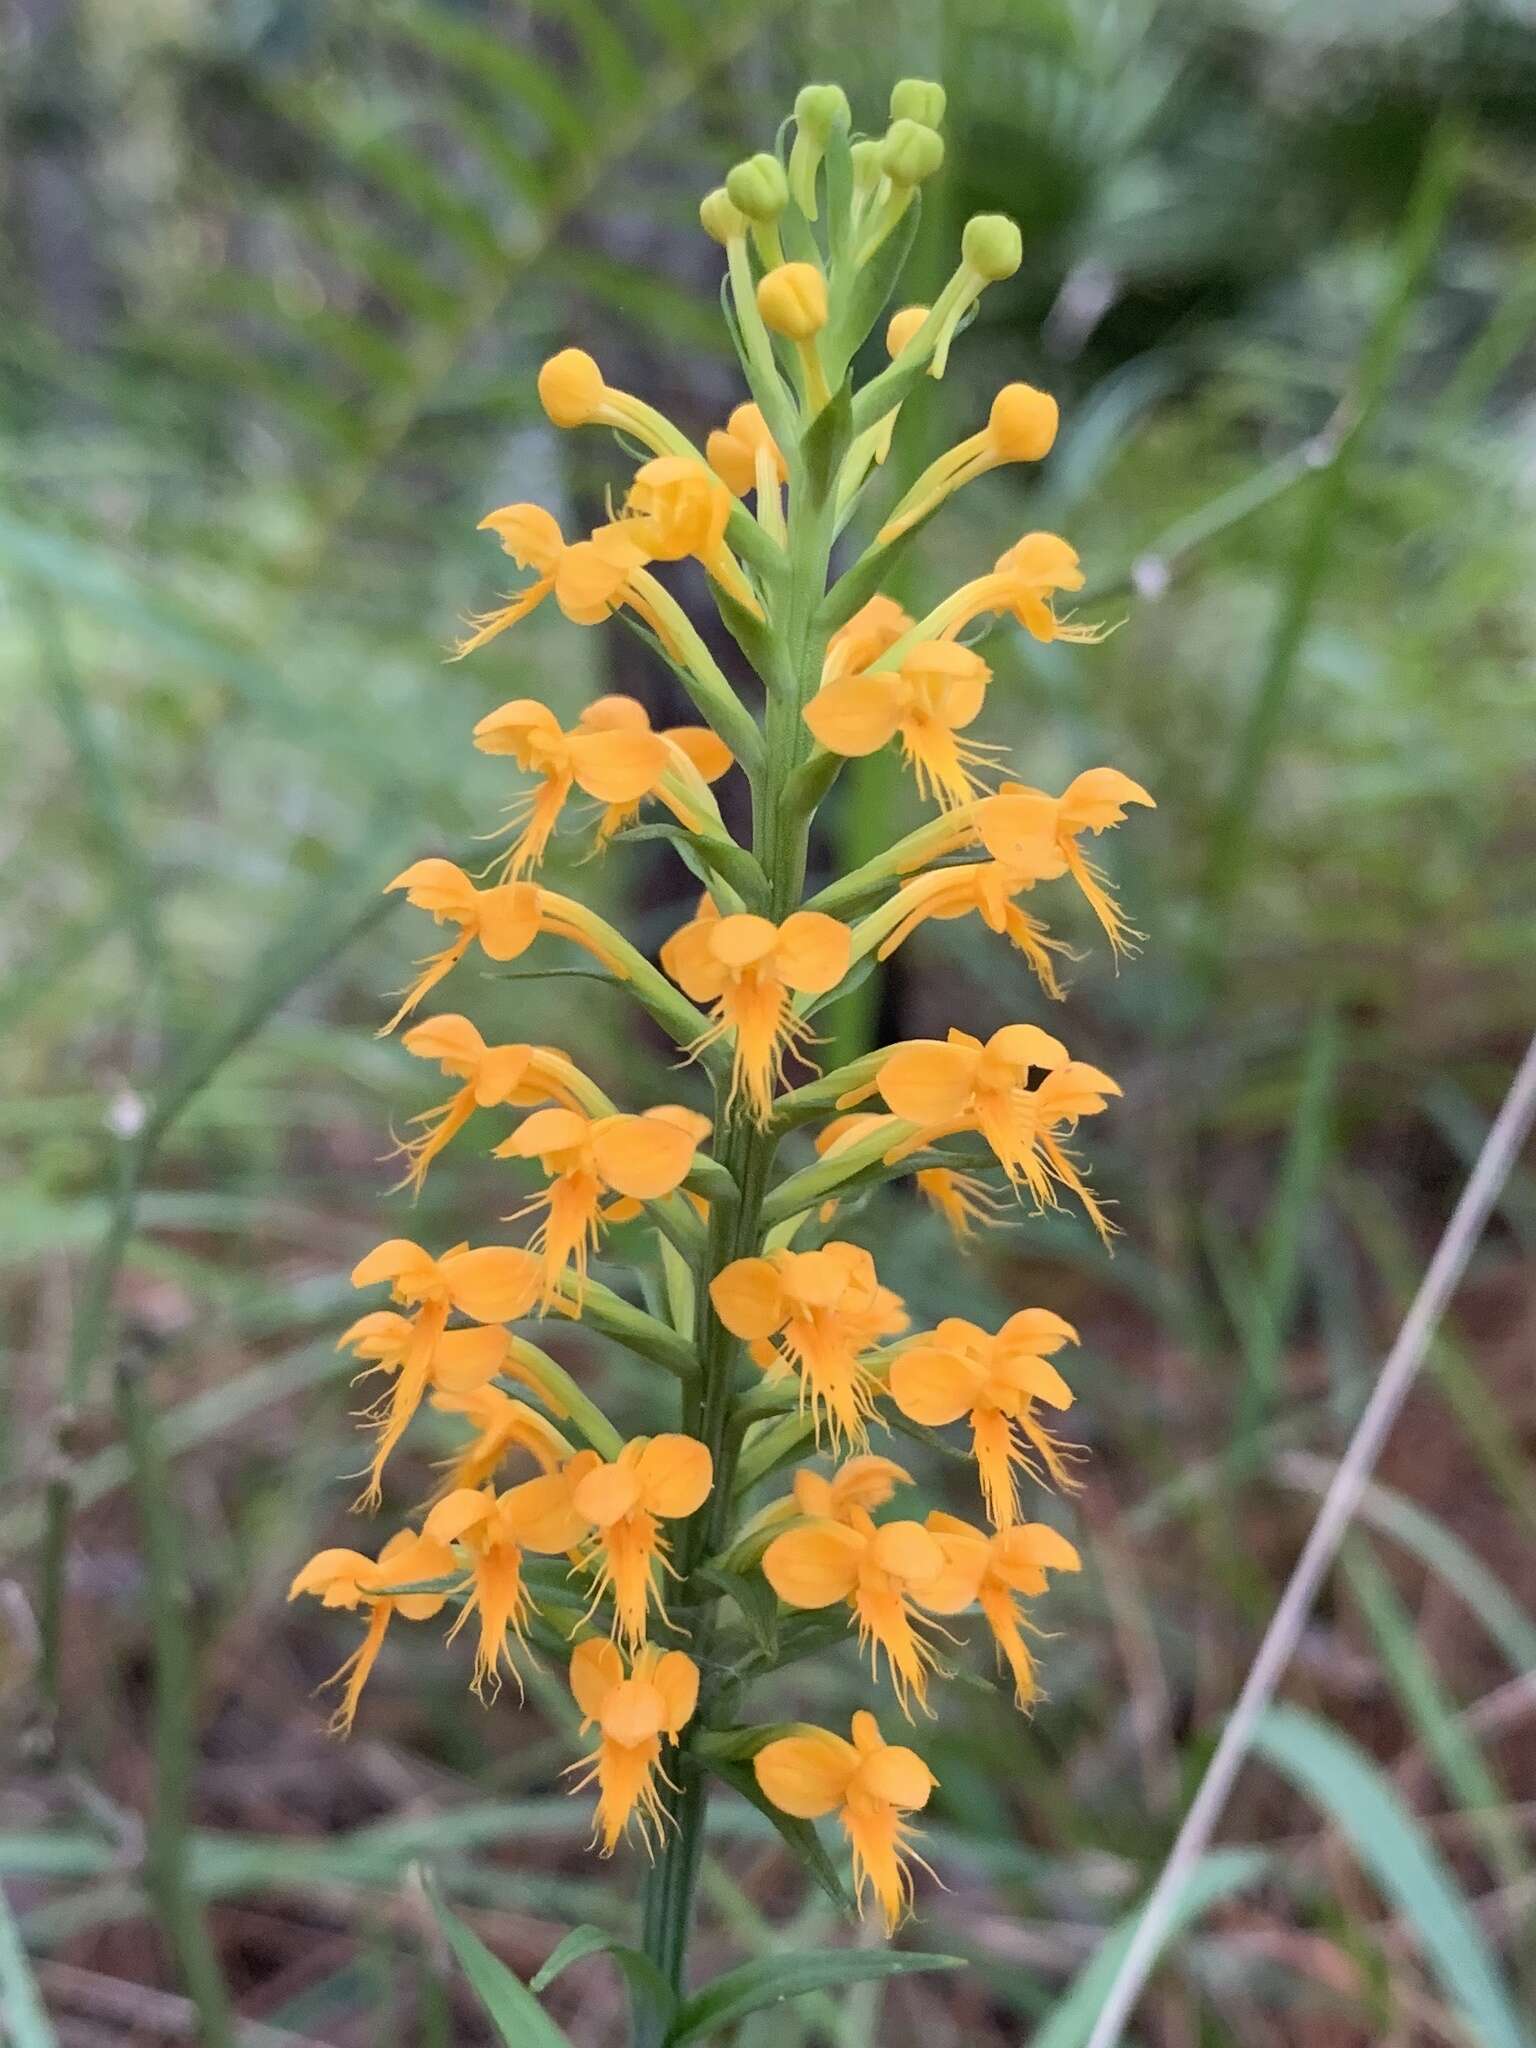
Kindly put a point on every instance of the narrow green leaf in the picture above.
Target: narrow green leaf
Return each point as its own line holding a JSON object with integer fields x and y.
{"x": 771, "y": 1980}
{"x": 1214, "y": 1878}
{"x": 1403, "y": 1863}
{"x": 653, "y": 2002}
{"x": 1433, "y": 1717}
{"x": 21, "y": 2006}
{"x": 1437, "y": 1547}
{"x": 510, "y": 2006}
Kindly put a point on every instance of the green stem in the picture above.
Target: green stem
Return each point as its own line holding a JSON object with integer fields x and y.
{"x": 780, "y": 841}
{"x": 178, "y": 1908}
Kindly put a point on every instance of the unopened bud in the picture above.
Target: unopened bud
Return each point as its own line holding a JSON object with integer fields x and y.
{"x": 758, "y": 187}
{"x": 917, "y": 99}
{"x": 571, "y": 388}
{"x": 992, "y": 246}
{"x": 793, "y": 301}
{"x": 902, "y": 328}
{"x": 1022, "y": 424}
{"x": 866, "y": 163}
{"x": 721, "y": 220}
{"x": 910, "y": 152}
{"x": 821, "y": 108}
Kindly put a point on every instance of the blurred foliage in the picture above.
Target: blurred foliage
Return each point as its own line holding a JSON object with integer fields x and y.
{"x": 278, "y": 277}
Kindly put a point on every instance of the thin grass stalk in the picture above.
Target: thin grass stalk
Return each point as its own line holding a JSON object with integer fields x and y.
{"x": 1443, "y": 1275}
{"x": 1435, "y": 188}
{"x": 174, "y": 1709}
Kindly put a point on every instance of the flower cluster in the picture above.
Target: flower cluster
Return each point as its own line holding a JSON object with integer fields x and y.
{"x": 551, "y": 1534}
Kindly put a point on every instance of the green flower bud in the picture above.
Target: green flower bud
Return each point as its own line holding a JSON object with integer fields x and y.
{"x": 758, "y": 187}
{"x": 866, "y": 164}
{"x": 992, "y": 246}
{"x": 821, "y": 108}
{"x": 917, "y": 99}
{"x": 719, "y": 219}
{"x": 910, "y": 152}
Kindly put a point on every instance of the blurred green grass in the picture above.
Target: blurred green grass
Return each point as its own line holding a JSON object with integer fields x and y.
{"x": 281, "y": 278}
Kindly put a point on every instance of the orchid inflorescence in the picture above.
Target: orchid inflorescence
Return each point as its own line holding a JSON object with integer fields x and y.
{"x": 654, "y": 1567}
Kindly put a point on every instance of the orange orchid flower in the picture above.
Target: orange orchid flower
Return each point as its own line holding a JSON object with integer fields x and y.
{"x": 927, "y": 700}
{"x": 493, "y": 1284}
{"x": 865, "y": 1482}
{"x": 532, "y": 537}
{"x": 749, "y": 968}
{"x": 634, "y": 1712}
{"x": 501, "y": 1424}
{"x": 346, "y": 1578}
{"x": 960, "y": 1369}
{"x": 611, "y": 754}
{"x": 882, "y": 1572}
{"x": 986, "y": 889}
{"x": 862, "y": 644}
{"x": 505, "y": 919}
{"x": 1025, "y": 830}
{"x": 1022, "y": 584}
{"x": 678, "y": 507}
{"x": 521, "y": 1076}
{"x": 955, "y": 1084}
{"x": 745, "y": 456}
{"x": 638, "y": 1158}
{"x": 826, "y": 1309}
{"x": 871, "y": 1785}
{"x": 621, "y": 1503}
{"x": 1011, "y": 1565}
{"x": 493, "y": 1531}
{"x": 961, "y": 1199}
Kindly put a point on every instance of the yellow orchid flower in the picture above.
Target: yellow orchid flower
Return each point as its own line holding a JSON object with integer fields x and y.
{"x": 998, "y": 1381}
{"x": 587, "y": 1158}
{"x": 519, "y": 1076}
{"x": 347, "y": 1578}
{"x": 882, "y": 1572}
{"x": 871, "y": 1785}
{"x": 927, "y": 701}
{"x": 946, "y": 1086}
{"x": 1010, "y": 1565}
{"x": 634, "y": 1711}
{"x": 748, "y": 969}
{"x": 493, "y": 1532}
{"x": 506, "y": 919}
{"x": 621, "y": 1503}
{"x": 494, "y": 1284}
{"x": 815, "y": 1314}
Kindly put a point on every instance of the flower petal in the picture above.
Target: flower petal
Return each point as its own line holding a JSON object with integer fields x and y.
{"x": 856, "y": 715}
{"x": 813, "y": 951}
{"x": 676, "y": 1678}
{"x": 495, "y": 1283}
{"x": 675, "y": 1475}
{"x": 618, "y": 767}
{"x": 596, "y": 1668}
{"x": 806, "y": 1775}
{"x": 933, "y": 1386}
{"x": 814, "y": 1565}
{"x": 927, "y": 1082}
{"x": 749, "y": 1297}
{"x": 643, "y": 1156}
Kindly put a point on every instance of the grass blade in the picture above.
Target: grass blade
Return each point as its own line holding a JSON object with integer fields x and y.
{"x": 1214, "y": 1878}
{"x": 21, "y": 2005}
{"x": 1402, "y": 1862}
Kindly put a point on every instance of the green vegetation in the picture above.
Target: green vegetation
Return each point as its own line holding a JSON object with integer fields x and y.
{"x": 278, "y": 280}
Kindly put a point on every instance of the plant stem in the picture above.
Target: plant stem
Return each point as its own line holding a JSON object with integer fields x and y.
{"x": 177, "y": 1906}
{"x": 780, "y": 841}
